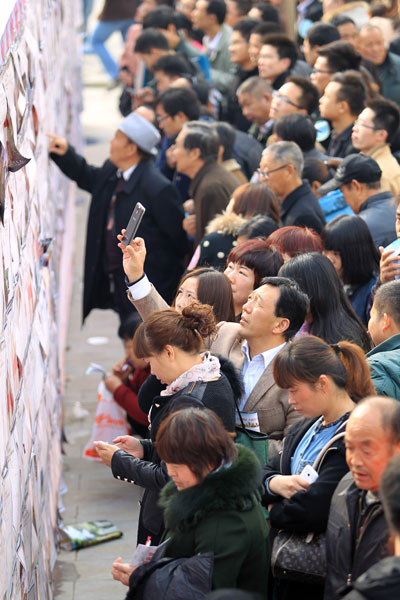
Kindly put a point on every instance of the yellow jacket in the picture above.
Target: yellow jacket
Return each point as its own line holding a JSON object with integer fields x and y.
{"x": 390, "y": 168}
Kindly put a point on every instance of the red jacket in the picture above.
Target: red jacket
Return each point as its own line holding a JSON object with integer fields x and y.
{"x": 126, "y": 395}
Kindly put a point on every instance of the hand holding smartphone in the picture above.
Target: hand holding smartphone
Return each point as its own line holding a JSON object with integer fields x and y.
{"x": 133, "y": 225}
{"x": 309, "y": 474}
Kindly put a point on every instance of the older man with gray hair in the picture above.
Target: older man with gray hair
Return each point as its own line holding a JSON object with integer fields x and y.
{"x": 357, "y": 532}
{"x": 281, "y": 168}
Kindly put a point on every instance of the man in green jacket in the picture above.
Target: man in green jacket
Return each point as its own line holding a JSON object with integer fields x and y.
{"x": 384, "y": 327}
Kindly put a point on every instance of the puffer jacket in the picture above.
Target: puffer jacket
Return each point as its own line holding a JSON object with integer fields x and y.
{"x": 346, "y": 558}
{"x": 149, "y": 472}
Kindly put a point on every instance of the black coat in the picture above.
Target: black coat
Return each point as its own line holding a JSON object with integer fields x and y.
{"x": 301, "y": 208}
{"x": 347, "y": 560}
{"x": 161, "y": 227}
{"x": 380, "y": 582}
{"x": 149, "y": 472}
{"x": 308, "y": 510}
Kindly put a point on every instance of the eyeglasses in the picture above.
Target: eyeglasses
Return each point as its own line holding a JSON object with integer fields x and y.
{"x": 265, "y": 174}
{"x": 280, "y": 98}
{"x": 321, "y": 71}
{"x": 161, "y": 119}
{"x": 360, "y": 123}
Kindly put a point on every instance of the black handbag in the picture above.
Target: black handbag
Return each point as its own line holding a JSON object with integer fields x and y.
{"x": 302, "y": 556}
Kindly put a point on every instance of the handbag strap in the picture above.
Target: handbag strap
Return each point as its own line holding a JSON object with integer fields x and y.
{"x": 317, "y": 462}
{"x": 260, "y": 436}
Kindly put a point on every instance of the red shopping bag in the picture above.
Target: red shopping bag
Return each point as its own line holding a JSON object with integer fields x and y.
{"x": 109, "y": 422}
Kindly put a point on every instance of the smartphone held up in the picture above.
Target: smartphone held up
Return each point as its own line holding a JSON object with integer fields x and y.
{"x": 133, "y": 225}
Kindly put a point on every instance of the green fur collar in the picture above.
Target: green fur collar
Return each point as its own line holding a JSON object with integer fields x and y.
{"x": 235, "y": 488}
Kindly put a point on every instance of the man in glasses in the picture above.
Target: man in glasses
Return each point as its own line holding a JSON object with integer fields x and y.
{"x": 297, "y": 95}
{"x": 373, "y": 131}
{"x": 281, "y": 169}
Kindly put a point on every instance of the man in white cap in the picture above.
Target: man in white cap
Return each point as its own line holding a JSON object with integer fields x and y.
{"x": 128, "y": 176}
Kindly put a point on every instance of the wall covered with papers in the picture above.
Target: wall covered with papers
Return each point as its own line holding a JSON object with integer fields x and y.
{"x": 39, "y": 92}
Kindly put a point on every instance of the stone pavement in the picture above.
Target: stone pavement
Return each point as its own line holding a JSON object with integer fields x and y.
{"x": 92, "y": 491}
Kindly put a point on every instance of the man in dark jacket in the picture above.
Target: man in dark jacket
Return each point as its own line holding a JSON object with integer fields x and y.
{"x": 196, "y": 152}
{"x": 281, "y": 167}
{"x": 384, "y": 328}
{"x": 358, "y": 178}
{"x": 127, "y": 177}
{"x": 357, "y": 533}
{"x": 382, "y": 581}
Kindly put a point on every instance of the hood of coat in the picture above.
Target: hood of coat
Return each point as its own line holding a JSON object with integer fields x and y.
{"x": 380, "y": 582}
{"x": 226, "y": 224}
{"x": 237, "y": 487}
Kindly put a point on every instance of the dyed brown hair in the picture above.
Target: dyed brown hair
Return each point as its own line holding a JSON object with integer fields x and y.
{"x": 294, "y": 240}
{"x": 258, "y": 256}
{"x": 185, "y": 331}
{"x": 194, "y": 437}
{"x": 306, "y": 358}
{"x": 255, "y": 199}
{"x": 214, "y": 288}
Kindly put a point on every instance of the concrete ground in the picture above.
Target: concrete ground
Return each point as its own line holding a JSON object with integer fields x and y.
{"x": 92, "y": 491}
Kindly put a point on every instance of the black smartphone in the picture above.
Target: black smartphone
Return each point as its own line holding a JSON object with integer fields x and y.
{"x": 133, "y": 225}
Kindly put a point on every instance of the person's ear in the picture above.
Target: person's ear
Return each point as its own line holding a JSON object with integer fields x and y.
{"x": 195, "y": 153}
{"x": 286, "y": 63}
{"x": 381, "y": 136}
{"x": 281, "y": 326}
{"x": 322, "y": 383}
{"x": 170, "y": 352}
{"x": 386, "y": 322}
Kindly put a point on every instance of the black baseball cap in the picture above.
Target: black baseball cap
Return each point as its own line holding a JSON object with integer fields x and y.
{"x": 360, "y": 167}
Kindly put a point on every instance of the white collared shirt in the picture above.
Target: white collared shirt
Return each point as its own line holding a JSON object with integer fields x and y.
{"x": 212, "y": 45}
{"x": 254, "y": 367}
{"x": 127, "y": 173}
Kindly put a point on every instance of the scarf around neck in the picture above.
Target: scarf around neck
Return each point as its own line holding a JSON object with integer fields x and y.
{"x": 207, "y": 370}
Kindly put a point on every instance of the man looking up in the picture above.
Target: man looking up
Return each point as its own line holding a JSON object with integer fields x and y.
{"x": 384, "y": 328}
{"x": 343, "y": 99}
{"x": 373, "y": 131}
{"x": 272, "y": 315}
{"x": 196, "y": 153}
{"x": 127, "y": 177}
{"x": 281, "y": 169}
{"x": 209, "y": 16}
{"x": 357, "y": 532}
{"x": 255, "y": 96}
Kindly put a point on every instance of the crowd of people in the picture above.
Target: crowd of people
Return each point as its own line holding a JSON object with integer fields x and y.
{"x": 260, "y": 296}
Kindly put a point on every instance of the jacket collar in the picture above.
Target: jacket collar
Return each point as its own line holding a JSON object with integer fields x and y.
{"x": 376, "y": 199}
{"x": 303, "y": 190}
{"x": 392, "y": 343}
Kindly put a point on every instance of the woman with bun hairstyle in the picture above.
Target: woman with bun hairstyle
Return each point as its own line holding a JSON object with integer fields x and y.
{"x": 172, "y": 344}
{"x": 324, "y": 383}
